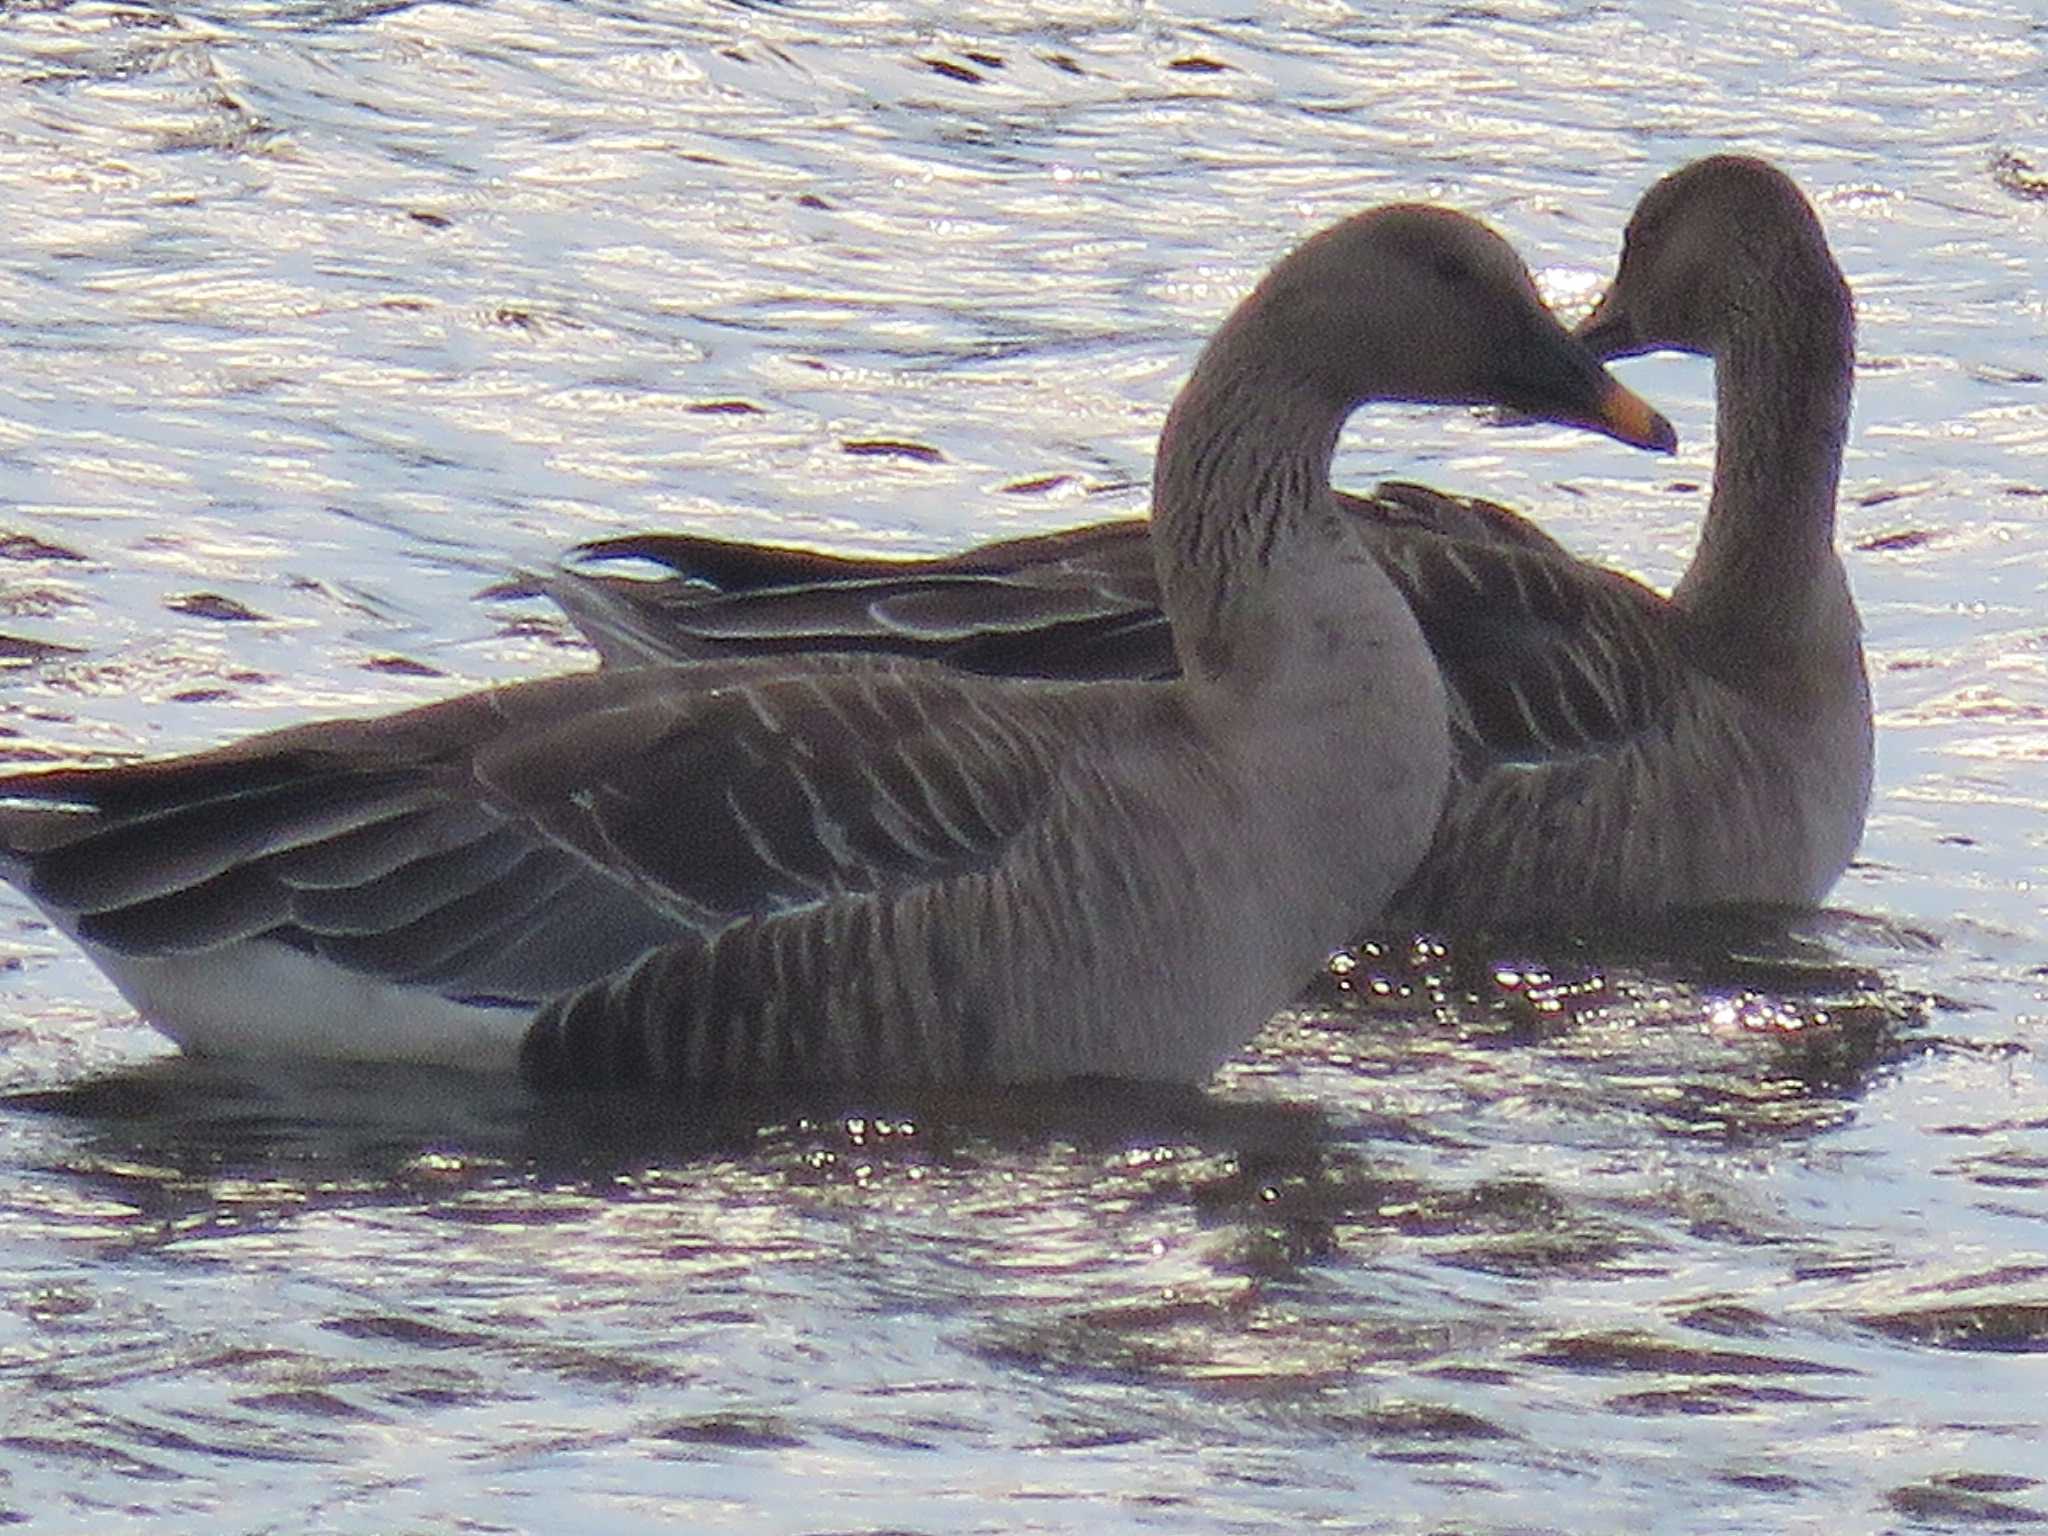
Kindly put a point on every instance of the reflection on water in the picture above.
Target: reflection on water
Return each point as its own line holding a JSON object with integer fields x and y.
{"x": 316, "y": 319}
{"x": 1475, "y": 1244}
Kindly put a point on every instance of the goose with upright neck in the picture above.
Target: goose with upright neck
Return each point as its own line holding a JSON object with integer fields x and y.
{"x": 1726, "y": 259}
{"x": 1731, "y": 756}
{"x": 775, "y": 870}
{"x": 1619, "y": 755}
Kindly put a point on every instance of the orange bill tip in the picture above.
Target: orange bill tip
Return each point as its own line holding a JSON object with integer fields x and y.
{"x": 1626, "y": 415}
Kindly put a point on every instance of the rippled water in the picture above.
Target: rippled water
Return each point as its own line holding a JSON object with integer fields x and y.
{"x": 317, "y": 319}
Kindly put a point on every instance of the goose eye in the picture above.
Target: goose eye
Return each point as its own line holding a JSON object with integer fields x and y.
{"x": 1644, "y": 235}
{"x": 1451, "y": 269}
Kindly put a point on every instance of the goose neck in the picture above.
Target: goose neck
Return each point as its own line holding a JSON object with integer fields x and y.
{"x": 1240, "y": 498}
{"x": 1766, "y": 568}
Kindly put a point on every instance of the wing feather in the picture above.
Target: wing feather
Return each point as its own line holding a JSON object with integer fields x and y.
{"x": 516, "y": 844}
{"x": 1548, "y": 658}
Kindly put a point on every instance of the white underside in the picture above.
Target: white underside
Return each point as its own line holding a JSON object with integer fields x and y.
{"x": 264, "y": 1000}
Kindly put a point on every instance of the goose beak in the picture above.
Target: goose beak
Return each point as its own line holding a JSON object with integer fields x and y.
{"x": 1608, "y": 332}
{"x": 1627, "y": 416}
{"x": 1557, "y": 377}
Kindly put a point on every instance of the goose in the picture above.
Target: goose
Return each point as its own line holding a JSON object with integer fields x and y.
{"x": 772, "y": 871}
{"x": 1620, "y": 756}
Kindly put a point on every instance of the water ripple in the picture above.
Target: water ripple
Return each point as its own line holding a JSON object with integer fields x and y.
{"x": 319, "y": 317}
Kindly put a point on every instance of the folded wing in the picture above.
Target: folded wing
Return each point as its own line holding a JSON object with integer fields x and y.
{"x": 1548, "y": 658}
{"x": 512, "y": 844}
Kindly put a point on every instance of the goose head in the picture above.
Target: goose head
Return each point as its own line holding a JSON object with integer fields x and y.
{"x": 1421, "y": 304}
{"x": 1725, "y": 246}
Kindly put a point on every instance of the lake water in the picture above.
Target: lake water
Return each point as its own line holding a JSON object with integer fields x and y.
{"x": 317, "y": 319}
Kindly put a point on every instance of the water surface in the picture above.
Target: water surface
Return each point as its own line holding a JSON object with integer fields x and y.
{"x": 316, "y": 320}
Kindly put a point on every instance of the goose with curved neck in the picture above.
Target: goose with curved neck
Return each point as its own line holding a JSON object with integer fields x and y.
{"x": 806, "y": 869}
{"x": 1618, "y": 755}
{"x": 1243, "y": 477}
